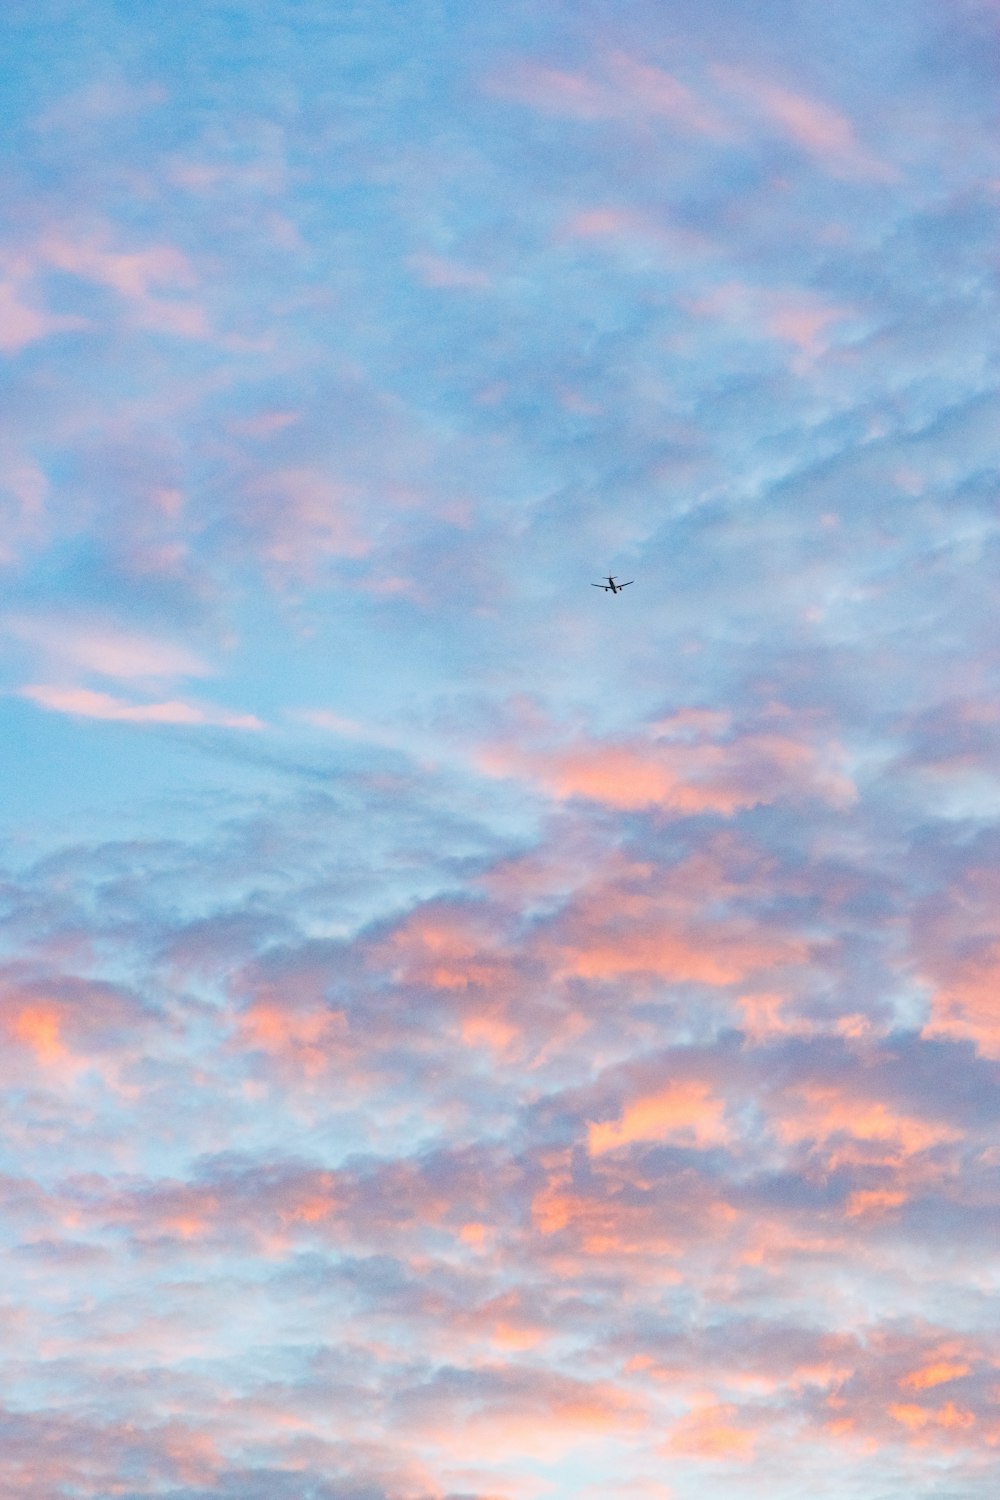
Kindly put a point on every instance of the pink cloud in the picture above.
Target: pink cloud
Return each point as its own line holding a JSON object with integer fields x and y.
{"x": 828, "y": 1111}
{"x": 680, "y": 1112}
{"x": 628, "y": 232}
{"x": 600, "y": 221}
{"x": 916, "y": 1418}
{"x": 816, "y": 127}
{"x": 553, "y": 91}
{"x": 136, "y": 276}
{"x": 37, "y": 1026}
{"x": 655, "y": 92}
{"x": 890, "y": 1157}
{"x": 264, "y": 425}
{"x": 300, "y": 515}
{"x": 132, "y": 274}
{"x": 24, "y": 490}
{"x": 63, "y": 1023}
{"x": 107, "y": 649}
{"x": 711, "y": 955}
{"x": 87, "y": 704}
{"x": 267, "y": 1216}
{"x": 461, "y": 957}
{"x": 713, "y": 1432}
{"x": 643, "y": 920}
{"x": 957, "y": 944}
{"x": 625, "y": 88}
{"x": 789, "y": 314}
{"x": 628, "y": 90}
{"x": 939, "y": 1372}
{"x": 768, "y": 1013}
{"x": 53, "y": 1452}
{"x": 438, "y": 271}
{"x": 912, "y": 1387}
{"x": 594, "y": 1218}
{"x": 541, "y": 1412}
{"x": 22, "y": 323}
{"x": 300, "y": 1042}
{"x": 677, "y": 770}
{"x": 965, "y": 1005}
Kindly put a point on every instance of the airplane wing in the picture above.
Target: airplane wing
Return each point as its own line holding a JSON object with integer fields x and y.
{"x": 600, "y": 586}
{"x": 625, "y": 585}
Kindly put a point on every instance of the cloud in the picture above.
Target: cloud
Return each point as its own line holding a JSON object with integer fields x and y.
{"x": 630, "y": 90}
{"x": 958, "y": 953}
{"x": 562, "y": 1061}
{"x": 761, "y": 1160}
{"x": 299, "y": 516}
{"x": 85, "y": 703}
{"x": 23, "y": 323}
{"x": 24, "y": 489}
{"x": 813, "y": 125}
{"x": 106, "y": 649}
{"x": 793, "y": 316}
{"x": 450, "y": 275}
{"x": 711, "y": 1434}
{"x": 135, "y": 275}
{"x": 689, "y": 763}
{"x": 680, "y": 1112}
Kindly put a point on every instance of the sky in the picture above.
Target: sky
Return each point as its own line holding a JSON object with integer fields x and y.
{"x": 468, "y": 1036}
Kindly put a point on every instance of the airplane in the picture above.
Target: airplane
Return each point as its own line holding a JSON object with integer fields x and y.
{"x": 611, "y": 587}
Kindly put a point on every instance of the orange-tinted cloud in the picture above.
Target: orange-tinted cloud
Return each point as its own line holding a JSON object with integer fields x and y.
{"x": 634, "y": 919}
{"x": 964, "y": 1006}
{"x": 711, "y": 1433}
{"x": 681, "y": 767}
{"x": 938, "y": 1373}
{"x": 543, "y": 1413}
{"x": 64, "y": 1023}
{"x": 445, "y": 949}
{"x": 916, "y": 1418}
{"x": 681, "y": 1112}
{"x": 597, "y": 1216}
{"x": 38, "y": 1027}
{"x": 956, "y": 939}
{"x": 862, "y": 1128}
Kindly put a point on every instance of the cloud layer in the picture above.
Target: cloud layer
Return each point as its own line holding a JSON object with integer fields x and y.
{"x": 467, "y": 1036}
